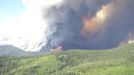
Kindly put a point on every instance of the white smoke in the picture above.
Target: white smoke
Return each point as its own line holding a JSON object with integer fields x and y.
{"x": 51, "y": 23}
{"x": 29, "y": 30}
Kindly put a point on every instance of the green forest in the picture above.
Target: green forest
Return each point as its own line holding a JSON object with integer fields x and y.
{"x": 117, "y": 61}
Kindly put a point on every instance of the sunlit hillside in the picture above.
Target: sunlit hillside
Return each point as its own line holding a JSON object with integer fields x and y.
{"x": 118, "y": 61}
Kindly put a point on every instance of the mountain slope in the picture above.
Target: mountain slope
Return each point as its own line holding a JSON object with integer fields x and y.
{"x": 118, "y": 61}
{"x": 8, "y": 50}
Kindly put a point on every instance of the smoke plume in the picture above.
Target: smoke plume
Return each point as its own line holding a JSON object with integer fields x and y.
{"x": 118, "y": 27}
{"x": 75, "y": 24}
{"x": 68, "y": 22}
{"x": 72, "y": 24}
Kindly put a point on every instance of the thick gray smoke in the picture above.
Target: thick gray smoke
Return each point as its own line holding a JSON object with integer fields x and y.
{"x": 65, "y": 22}
{"x": 118, "y": 26}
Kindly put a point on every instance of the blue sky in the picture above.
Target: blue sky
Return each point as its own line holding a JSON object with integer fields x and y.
{"x": 10, "y": 8}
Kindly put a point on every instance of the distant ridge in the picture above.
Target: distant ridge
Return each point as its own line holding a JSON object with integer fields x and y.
{"x": 10, "y": 50}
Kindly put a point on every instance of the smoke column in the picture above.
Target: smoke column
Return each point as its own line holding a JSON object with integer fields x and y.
{"x": 72, "y": 24}
{"x": 67, "y": 21}
{"x": 75, "y": 24}
{"x": 118, "y": 27}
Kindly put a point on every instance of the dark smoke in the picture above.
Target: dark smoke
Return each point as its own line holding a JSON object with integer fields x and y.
{"x": 66, "y": 24}
{"x": 118, "y": 26}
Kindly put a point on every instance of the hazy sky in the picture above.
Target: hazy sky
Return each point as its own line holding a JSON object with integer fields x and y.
{"x": 22, "y": 23}
{"x": 10, "y": 8}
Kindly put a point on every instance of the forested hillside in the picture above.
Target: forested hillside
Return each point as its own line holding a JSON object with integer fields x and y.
{"x": 118, "y": 61}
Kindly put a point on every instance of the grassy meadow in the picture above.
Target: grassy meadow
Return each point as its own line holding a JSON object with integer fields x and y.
{"x": 118, "y": 61}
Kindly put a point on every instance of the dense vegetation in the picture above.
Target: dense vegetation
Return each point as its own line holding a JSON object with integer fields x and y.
{"x": 118, "y": 61}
